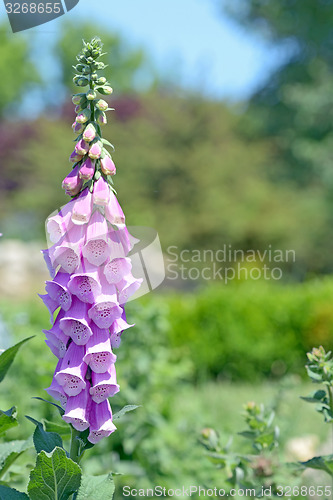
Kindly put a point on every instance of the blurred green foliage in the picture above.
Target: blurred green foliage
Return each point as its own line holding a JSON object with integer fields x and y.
{"x": 293, "y": 109}
{"x": 16, "y": 69}
{"x": 157, "y": 444}
{"x": 252, "y": 329}
{"x": 183, "y": 169}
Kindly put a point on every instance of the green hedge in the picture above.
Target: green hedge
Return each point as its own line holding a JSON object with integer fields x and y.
{"x": 240, "y": 331}
{"x": 252, "y": 329}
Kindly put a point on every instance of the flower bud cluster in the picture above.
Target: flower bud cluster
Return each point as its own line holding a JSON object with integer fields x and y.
{"x": 89, "y": 152}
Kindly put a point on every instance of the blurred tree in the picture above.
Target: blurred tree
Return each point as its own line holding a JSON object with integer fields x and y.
{"x": 186, "y": 171}
{"x": 129, "y": 67}
{"x": 294, "y": 108}
{"x": 16, "y": 69}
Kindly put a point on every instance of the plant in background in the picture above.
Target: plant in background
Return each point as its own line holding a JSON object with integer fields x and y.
{"x": 320, "y": 371}
{"x": 264, "y": 473}
{"x": 91, "y": 281}
{"x": 258, "y": 471}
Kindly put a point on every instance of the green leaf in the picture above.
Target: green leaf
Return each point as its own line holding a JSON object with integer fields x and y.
{"x": 324, "y": 463}
{"x": 124, "y": 410}
{"x": 315, "y": 396}
{"x": 96, "y": 487}
{"x": 316, "y": 377}
{"x": 267, "y": 439}
{"x": 63, "y": 430}
{"x": 44, "y": 441}
{"x": 217, "y": 458}
{"x": 61, "y": 410}
{"x": 248, "y": 434}
{"x": 7, "y": 419}
{"x": 7, "y": 493}
{"x": 10, "y": 451}
{"x": 7, "y": 357}
{"x": 105, "y": 141}
{"x": 55, "y": 476}
{"x": 83, "y": 439}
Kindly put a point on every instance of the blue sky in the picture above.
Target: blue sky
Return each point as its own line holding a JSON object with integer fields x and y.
{"x": 209, "y": 51}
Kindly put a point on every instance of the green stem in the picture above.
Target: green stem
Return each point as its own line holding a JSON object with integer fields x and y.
{"x": 330, "y": 396}
{"x": 92, "y": 107}
{"x": 75, "y": 446}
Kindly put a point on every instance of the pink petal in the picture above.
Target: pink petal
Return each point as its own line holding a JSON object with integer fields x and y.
{"x": 77, "y": 410}
{"x": 85, "y": 284}
{"x": 82, "y": 207}
{"x": 72, "y": 371}
{"x": 104, "y": 385}
{"x": 100, "y": 419}
{"x": 99, "y": 355}
{"x": 116, "y": 269}
{"x": 75, "y": 324}
{"x": 105, "y": 311}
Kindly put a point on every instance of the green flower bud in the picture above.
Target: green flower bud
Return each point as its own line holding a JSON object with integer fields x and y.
{"x": 101, "y": 105}
{"x": 82, "y": 68}
{"x": 101, "y": 80}
{"x": 100, "y": 117}
{"x": 81, "y": 58}
{"x": 84, "y": 116}
{"x": 83, "y": 104}
{"x": 95, "y": 53}
{"x": 91, "y": 95}
{"x": 105, "y": 90}
{"x": 80, "y": 81}
{"x": 90, "y": 60}
{"x": 86, "y": 51}
{"x": 76, "y": 99}
{"x": 94, "y": 76}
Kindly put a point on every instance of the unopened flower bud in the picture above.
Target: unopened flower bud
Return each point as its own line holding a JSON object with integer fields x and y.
{"x": 105, "y": 90}
{"x": 87, "y": 169}
{"x": 76, "y": 99}
{"x": 80, "y": 81}
{"x": 95, "y": 53}
{"x": 86, "y": 51}
{"x": 91, "y": 95}
{"x": 101, "y": 193}
{"x": 77, "y": 127}
{"x": 101, "y": 117}
{"x": 89, "y": 133}
{"x": 102, "y": 105}
{"x": 107, "y": 166}
{"x": 82, "y": 68}
{"x": 84, "y": 116}
{"x": 95, "y": 151}
{"x": 82, "y": 147}
{"x": 72, "y": 183}
{"x": 74, "y": 157}
{"x": 100, "y": 65}
{"x": 101, "y": 80}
